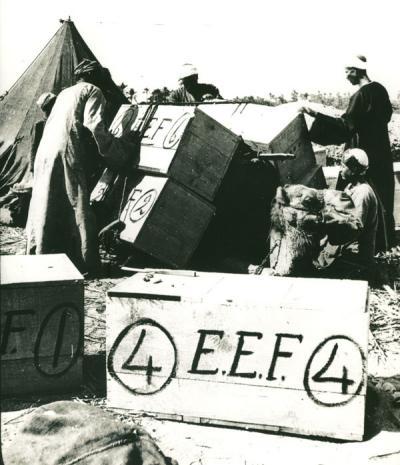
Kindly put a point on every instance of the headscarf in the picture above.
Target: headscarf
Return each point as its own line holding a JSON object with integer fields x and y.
{"x": 357, "y": 61}
{"x": 187, "y": 70}
{"x": 356, "y": 160}
{"x": 45, "y": 99}
{"x": 87, "y": 66}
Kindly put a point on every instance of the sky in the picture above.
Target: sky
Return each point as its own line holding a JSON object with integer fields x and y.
{"x": 247, "y": 47}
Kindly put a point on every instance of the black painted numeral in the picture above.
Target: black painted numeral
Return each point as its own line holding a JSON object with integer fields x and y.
{"x": 149, "y": 368}
{"x": 344, "y": 380}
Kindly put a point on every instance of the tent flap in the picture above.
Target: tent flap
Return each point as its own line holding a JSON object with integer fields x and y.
{"x": 51, "y": 71}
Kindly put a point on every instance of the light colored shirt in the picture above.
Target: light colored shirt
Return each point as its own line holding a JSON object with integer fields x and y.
{"x": 60, "y": 219}
{"x": 366, "y": 210}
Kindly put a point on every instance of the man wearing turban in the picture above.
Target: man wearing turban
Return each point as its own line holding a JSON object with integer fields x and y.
{"x": 364, "y": 125}
{"x": 191, "y": 90}
{"x": 60, "y": 218}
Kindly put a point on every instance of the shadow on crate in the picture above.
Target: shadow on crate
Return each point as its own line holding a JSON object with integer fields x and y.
{"x": 94, "y": 385}
{"x": 94, "y": 374}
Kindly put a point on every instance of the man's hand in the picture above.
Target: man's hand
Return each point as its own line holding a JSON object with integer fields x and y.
{"x": 308, "y": 110}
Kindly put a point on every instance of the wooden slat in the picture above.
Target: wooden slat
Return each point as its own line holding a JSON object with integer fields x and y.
{"x": 20, "y": 377}
{"x": 291, "y": 411}
{"x": 277, "y": 292}
{"x": 21, "y": 270}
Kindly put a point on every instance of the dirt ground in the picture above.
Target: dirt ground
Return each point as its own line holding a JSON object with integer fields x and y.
{"x": 206, "y": 445}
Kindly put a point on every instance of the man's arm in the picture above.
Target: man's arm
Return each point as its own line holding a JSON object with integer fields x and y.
{"x": 116, "y": 151}
{"x": 328, "y": 130}
{"x": 361, "y": 200}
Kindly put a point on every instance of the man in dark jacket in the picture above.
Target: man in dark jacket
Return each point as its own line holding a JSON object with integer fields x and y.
{"x": 364, "y": 125}
{"x": 191, "y": 90}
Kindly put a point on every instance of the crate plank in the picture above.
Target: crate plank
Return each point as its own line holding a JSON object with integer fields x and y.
{"x": 22, "y": 270}
{"x": 291, "y": 412}
{"x": 21, "y": 377}
{"x": 251, "y": 350}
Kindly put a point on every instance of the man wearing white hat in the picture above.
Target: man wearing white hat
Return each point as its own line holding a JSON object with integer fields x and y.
{"x": 364, "y": 125}
{"x": 191, "y": 90}
{"x": 353, "y": 171}
{"x": 356, "y": 258}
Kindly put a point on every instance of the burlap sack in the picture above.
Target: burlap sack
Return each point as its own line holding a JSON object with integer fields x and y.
{"x": 69, "y": 433}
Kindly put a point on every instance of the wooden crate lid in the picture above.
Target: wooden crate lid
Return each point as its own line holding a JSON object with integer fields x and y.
{"x": 249, "y": 290}
{"x": 166, "y": 286}
{"x": 24, "y": 270}
{"x": 258, "y": 124}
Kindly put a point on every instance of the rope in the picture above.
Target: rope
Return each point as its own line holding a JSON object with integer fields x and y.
{"x": 261, "y": 266}
{"x": 118, "y": 443}
{"x": 122, "y": 197}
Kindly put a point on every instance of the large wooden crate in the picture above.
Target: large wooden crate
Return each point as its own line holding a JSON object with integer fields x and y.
{"x": 42, "y": 324}
{"x": 182, "y": 143}
{"x": 280, "y": 354}
{"x": 294, "y": 139}
{"x": 164, "y": 219}
{"x": 277, "y": 129}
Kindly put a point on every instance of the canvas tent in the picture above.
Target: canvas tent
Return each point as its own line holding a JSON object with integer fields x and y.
{"x": 51, "y": 71}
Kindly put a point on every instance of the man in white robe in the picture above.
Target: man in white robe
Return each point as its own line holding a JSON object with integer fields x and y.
{"x": 60, "y": 217}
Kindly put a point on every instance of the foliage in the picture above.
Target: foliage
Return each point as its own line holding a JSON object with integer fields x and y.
{"x": 160, "y": 95}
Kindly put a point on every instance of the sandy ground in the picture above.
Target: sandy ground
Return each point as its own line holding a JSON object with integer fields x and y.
{"x": 205, "y": 445}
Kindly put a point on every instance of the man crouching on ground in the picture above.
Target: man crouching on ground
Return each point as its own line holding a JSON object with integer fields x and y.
{"x": 357, "y": 257}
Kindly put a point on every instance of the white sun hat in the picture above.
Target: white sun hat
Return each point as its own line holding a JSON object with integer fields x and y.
{"x": 187, "y": 70}
{"x": 356, "y": 61}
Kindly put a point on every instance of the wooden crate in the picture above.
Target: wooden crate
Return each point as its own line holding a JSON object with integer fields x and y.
{"x": 294, "y": 139}
{"x": 164, "y": 219}
{"x": 277, "y": 129}
{"x": 182, "y": 143}
{"x": 280, "y": 354}
{"x": 42, "y": 324}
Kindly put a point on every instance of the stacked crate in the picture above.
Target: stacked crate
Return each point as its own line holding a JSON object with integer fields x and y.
{"x": 184, "y": 156}
{"x": 192, "y": 149}
{"x": 42, "y": 324}
{"x": 277, "y": 129}
{"x": 257, "y": 352}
